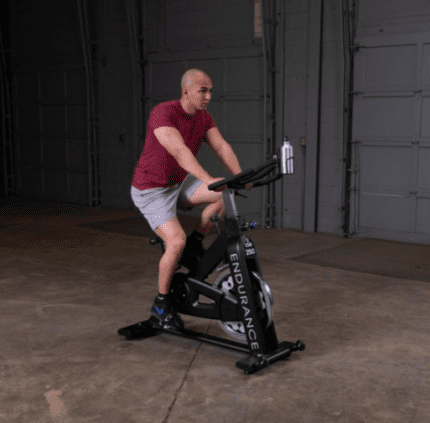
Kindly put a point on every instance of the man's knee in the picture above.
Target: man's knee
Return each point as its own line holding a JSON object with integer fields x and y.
{"x": 216, "y": 197}
{"x": 215, "y": 207}
{"x": 221, "y": 209}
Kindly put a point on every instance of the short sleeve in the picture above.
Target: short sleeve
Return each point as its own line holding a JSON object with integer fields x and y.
{"x": 210, "y": 123}
{"x": 162, "y": 115}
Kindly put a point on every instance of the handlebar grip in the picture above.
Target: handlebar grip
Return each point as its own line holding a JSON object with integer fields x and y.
{"x": 283, "y": 159}
{"x": 232, "y": 180}
{"x": 238, "y": 181}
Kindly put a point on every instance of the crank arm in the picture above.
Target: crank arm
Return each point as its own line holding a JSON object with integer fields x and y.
{"x": 223, "y": 308}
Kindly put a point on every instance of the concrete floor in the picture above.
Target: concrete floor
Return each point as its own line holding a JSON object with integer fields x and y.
{"x": 66, "y": 289}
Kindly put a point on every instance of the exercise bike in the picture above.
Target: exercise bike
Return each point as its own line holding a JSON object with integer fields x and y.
{"x": 242, "y": 301}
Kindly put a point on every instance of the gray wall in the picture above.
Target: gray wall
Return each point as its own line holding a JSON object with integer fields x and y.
{"x": 219, "y": 37}
{"x": 226, "y": 49}
{"x": 390, "y": 186}
{"x": 391, "y": 134}
{"x": 49, "y": 103}
{"x": 299, "y": 64}
{"x": 116, "y": 111}
{"x": 295, "y": 112}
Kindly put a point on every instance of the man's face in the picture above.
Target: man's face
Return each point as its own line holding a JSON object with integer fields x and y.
{"x": 200, "y": 93}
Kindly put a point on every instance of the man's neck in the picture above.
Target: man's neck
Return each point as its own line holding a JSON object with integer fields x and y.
{"x": 185, "y": 110}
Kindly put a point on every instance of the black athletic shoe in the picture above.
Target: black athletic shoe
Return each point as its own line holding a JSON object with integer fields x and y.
{"x": 166, "y": 315}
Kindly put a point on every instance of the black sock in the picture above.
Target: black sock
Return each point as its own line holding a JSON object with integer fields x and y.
{"x": 161, "y": 297}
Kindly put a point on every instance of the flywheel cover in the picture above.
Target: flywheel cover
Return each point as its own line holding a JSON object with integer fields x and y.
{"x": 225, "y": 283}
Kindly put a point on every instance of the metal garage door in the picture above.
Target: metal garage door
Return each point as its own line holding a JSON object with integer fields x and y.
{"x": 49, "y": 101}
{"x": 51, "y": 137}
{"x": 391, "y": 136}
{"x": 217, "y": 37}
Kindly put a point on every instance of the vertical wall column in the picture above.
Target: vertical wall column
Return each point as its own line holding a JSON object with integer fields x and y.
{"x": 269, "y": 23}
{"x": 7, "y": 136}
{"x": 348, "y": 39}
{"x": 279, "y": 100}
{"x": 137, "y": 60}
{"x": 313, "y": 116}
{"x": 93, "y": 147}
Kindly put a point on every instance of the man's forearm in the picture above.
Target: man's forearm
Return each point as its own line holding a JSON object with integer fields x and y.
{"x": 229, "y": 160}
{"x": 188, "y": 162}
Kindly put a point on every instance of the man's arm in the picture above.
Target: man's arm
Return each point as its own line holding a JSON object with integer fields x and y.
{"x": 223, "y": 150}
{"x": 172, "y": 141}
{"x": 229, "y": 159}
{"x": 187, "y": 161}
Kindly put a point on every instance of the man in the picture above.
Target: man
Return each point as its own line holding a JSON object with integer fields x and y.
{"x": 169, "y": 176}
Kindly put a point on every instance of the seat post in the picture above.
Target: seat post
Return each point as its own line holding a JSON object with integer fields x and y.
{"x": 231, "y": 215}
{"x": 215, "y": 220}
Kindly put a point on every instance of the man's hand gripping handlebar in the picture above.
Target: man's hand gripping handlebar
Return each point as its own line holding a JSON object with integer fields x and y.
{"x": 281, "y": 160}
{"x": 240, "y": 180}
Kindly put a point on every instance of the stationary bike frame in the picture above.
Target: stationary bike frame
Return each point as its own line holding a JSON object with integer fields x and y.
{"x": 239, "y": 253}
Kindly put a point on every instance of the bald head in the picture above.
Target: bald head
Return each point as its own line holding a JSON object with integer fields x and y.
{"x": 196, "y": 88}
{"x": 192, "y": 77}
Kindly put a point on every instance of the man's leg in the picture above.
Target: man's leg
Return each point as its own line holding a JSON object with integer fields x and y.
{"x": 214, "y": 204}
{"x": 174, "y": 237}
{"x": 206, "y": 223}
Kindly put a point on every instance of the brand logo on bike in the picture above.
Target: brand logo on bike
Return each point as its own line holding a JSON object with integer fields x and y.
{"x": 248, "y": 318}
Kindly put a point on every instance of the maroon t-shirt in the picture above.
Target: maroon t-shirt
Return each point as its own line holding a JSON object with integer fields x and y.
{"x": 156, "y": 166}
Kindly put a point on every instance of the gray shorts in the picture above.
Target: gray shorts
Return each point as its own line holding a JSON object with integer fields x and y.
{"x": 158, "y": 205}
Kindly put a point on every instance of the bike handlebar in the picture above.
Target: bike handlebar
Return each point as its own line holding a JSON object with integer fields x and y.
{"x": 283, "y": 160}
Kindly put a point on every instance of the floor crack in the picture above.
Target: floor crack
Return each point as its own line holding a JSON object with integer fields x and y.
{"x": 183, "y": 381}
